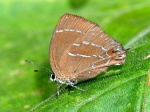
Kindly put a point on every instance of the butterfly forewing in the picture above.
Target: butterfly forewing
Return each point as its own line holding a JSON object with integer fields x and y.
{"x": 83, "y": 49}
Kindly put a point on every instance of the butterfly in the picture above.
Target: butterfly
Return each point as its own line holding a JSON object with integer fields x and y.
{"x": 80, "y": 49}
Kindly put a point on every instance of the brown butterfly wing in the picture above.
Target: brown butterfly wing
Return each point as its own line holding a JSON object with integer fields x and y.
{"x": 83, "y": 49}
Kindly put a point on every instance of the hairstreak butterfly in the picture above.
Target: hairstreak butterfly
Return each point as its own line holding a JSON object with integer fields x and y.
{"x": 80, "y": 49}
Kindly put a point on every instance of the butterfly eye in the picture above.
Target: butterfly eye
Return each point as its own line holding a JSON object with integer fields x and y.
{"x": 52, "y": 77}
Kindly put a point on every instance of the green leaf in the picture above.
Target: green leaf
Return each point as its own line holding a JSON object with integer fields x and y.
{"x": 26, "y": 28}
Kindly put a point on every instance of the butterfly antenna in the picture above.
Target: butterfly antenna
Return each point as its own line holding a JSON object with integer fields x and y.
{"x": 38, "y": 66}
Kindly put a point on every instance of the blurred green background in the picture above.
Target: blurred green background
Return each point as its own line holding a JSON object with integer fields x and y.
{"x": 26, "y": 27}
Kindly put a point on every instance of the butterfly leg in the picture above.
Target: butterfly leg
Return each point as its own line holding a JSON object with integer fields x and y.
{"x": 78, "y": 88}
{"x": 58, "y": 88}
{"x": 71, "y": 83}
